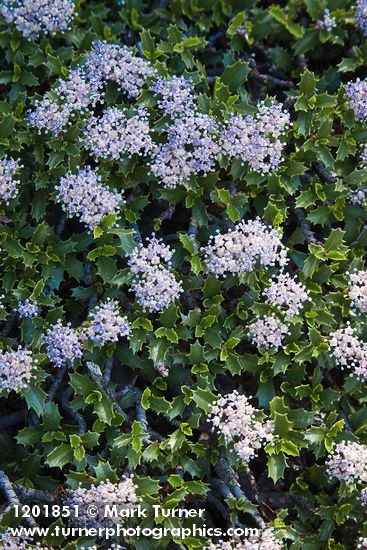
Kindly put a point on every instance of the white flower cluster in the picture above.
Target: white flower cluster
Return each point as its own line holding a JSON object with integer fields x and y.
{"x": 107, "y": 324}
{"x": 177, "y": 95}
{"x": 358, "y": 290}
{"x": 363, "y": 497}
{"x": 63, "y": 344}
{"x": 265, "y": 540}
{"x": 8, "y": 184}
{"x": 50, "y": 116}
{"x": 193, "y": 140}
{"x": 73, "y": 95}
{"x": 143, "y": 258}
{"x": 9, "y": 541}
{"x": 349, "y": 351}
{"x": 27, "y": 309}
{"x": 154, "y": 284}
{"x": 233, "y": 417}
{"x": 348, "y": 462}
{"x": 255, "y": 140}
{"x": 362, "y": 543}
{"x": 358, "y": 197}
{"x": 35, "y": 17}
{"x": 361, "y": 15}
{"x": 356, "y": 96}
{"x": 85, "y": 85}
{"x": 287, "y": 293}
{"x": 191, "y": 149}
{"x": 77, "y": 92}
{"x": 83, "y": 195}
{"x": 16, "y": 369}
{"x": 328, "y": 23}
{"x": 110, "y": 62}
{"x": 239, "y": 250}
{"x": 12, "y": 542}
{"x": 114, "y": 135}
{"x": 122, "y": 494}
{"x": 268, "y": 332}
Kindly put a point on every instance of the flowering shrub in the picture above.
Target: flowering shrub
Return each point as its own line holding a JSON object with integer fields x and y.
{"x": 183, "y": 269}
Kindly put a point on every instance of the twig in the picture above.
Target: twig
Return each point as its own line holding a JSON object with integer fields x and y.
{"x": 232, "y": 188}
{"x": 137, "y": 235}
{"x": 87, "y": 272}
{"x": 323, "y": 172}
{"x": 7, "y": 488}
{"x": 272, "y": 80}
{"x": 308, "y": 233}
{"x": 284, "y": 500}
{"x": 32, "y": 418}
{"x": 79, "y": 419}
{"x": 161, "y": 369}
{"x": 193, "y": 229}
{"x": 229, "y": 477}
{"x": 247, "y": 480}
{"x": 168, "y": 212}
{"x": 107, "y": 370}
{"x": 154, "y": 436}
{"x": 27, "y": 494}
{"x": 227, "y": 474}
{"x": 141, "y": 415}
{"x": 221, "y": 487}
{"x": 97, "y": 376}
{"x": 92, "y": 301}
{"x": 5, "y": 509}
{"x": 60, "y": 226}
{"x": 218, "y": 505}
{"x": 213, "y": 37}
{"x": 346, "y": 423}
{"x": 56, "y": 382}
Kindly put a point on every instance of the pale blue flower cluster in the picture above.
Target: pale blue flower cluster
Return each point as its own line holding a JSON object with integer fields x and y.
{"x": 191, "y": 148}
{"x": 176, "y": 95}
{"x": 16, "y": 369}
{"x": 154, "y": 284}
{"x": 239, "y": 250}
{"x": 113, "y": 63}
{"x": 73, "y": 95}
{"x": 356, "y": 96}
{"x": 35, "y": 17}
{"x": 349, "y": 351}
{"x": 255, "y": 139}
{"x": 85, "y": 86}
{"x": 8, "y": 184}
{"x": 114, "y": 135}
{"x": 121, "y": 495}
{"x": 287, "y": 294}
{"x": 83, "y": 195}
{"x": 328, "y": 23}
{"x": 27, "y": 309}
{"x": 107, "y": 324}
{"x": 14, "y": 542}
{"x": 63, "y": 344}
{"x": 361, "y": 15}
{"x": 268, "y": 332}
{"x": 193, "y": 141}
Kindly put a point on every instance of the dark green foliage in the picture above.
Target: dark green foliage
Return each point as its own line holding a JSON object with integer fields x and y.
{"x": 202, "y": 340}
